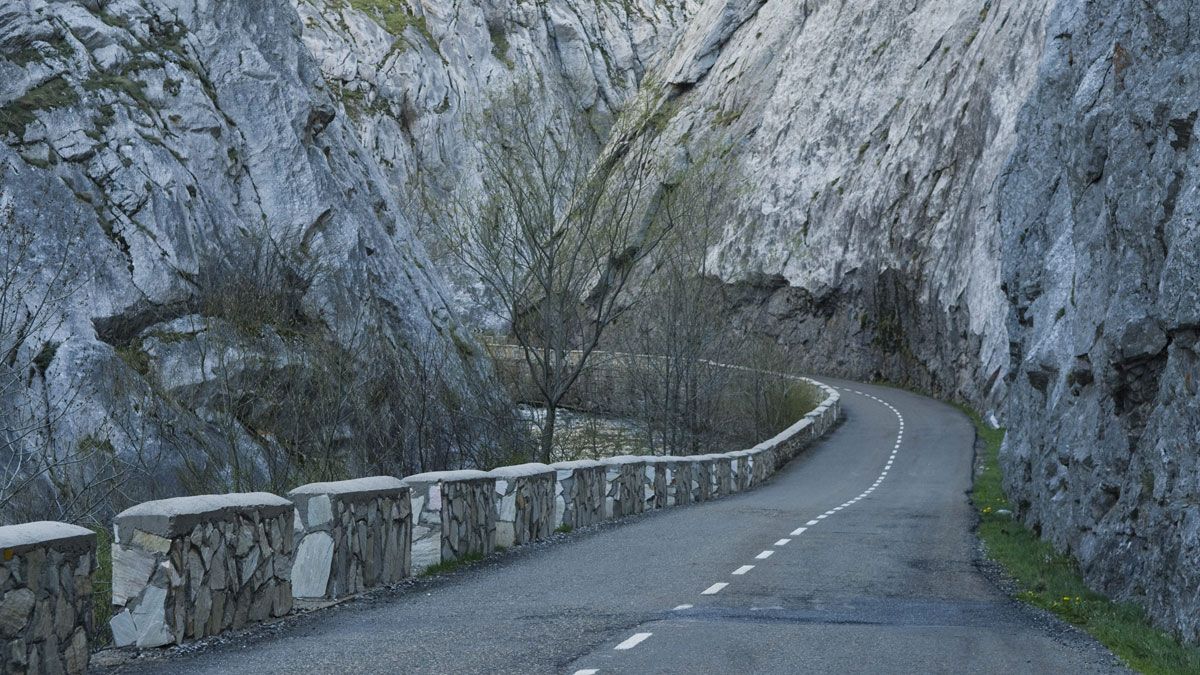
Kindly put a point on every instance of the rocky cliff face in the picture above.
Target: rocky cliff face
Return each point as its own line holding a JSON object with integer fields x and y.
{"x": 1100, "y": 223}
{"x": 995, "y": 201}
{"x": 413, "y": 76}
{"x": 215, "y": 217}
{"x": 869, "y": 137}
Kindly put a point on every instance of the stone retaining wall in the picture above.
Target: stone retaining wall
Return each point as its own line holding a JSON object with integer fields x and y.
{"x": 683, "y": 484}
{"x": 196, "y": 566}
{"x": 191, "y": 567}
{"x": 625, "y": 486}
{"x": 46, "y": 597}
{"x": 525, "y": 496}
{"x": 454, "y": 516}
{"x": 351, "y": 535}
{"x": 582, "y": 492}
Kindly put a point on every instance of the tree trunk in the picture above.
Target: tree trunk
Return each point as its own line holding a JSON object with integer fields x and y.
{"x": 548, "y": 433}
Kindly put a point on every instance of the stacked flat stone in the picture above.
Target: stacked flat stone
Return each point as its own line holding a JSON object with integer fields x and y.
{"x": 744, "y": 476}
{"x": 581, "y": 495}
{"x": 46, "y": 597}
{"x": 352, "y": 536}
{"x": 662, "y": 470}
{"x": 625, "y": 482}
{"x": 683, "y": 485}
{"x": 649, "y": 487}
{"x": 454, "y": 516}
{"x": 726, "y": 475}
{"x": 191, "y": 567}
{"x": 525, "y": 496}
{"x": 702, "y": 477}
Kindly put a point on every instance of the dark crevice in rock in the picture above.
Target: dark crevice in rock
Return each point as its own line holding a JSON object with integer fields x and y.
{"x": 121, "y": 329}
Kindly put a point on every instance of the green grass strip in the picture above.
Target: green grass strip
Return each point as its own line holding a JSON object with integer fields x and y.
{"x": 1052, "y": 580}
{"x": 447, "y": 566}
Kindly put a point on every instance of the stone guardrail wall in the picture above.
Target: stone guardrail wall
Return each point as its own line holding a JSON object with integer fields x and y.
{"x": 582, "y": 493}
{"x": 455, "y": 514}
{"x": 525, "y": 496}
{"x": 192, "y": 567}
{"x": 351, "y": 536}
{"x": 46, "y": 597}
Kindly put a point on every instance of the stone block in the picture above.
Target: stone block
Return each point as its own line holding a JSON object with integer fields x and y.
{"x": 353, "y": 535}
{"x": 46, "y": 571}
{"x": 180, "y": 565}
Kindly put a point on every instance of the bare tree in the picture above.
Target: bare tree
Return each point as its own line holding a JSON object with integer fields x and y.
{"x": 557, "y": 238}
{"x": 682, "y": 321}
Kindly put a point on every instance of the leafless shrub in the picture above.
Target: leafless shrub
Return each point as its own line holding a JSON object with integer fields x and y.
{"x": 557, "y": 239}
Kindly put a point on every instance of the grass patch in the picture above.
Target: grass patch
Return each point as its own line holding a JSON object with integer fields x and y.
{"x": 565, "y": 528}
{"x": 396, "y": 16}
{"x": 451, "y": 565}
{"x": 50, "y": 95}
{"x": 1052, "y": 581}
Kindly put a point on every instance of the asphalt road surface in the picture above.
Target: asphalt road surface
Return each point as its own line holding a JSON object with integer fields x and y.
{"x": 858, "y": 557}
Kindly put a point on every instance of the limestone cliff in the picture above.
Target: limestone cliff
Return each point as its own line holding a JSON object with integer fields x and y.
{"x": 217, "y": 218}
{"x": 413, "y": 76}
{"x": 994, "y": 201}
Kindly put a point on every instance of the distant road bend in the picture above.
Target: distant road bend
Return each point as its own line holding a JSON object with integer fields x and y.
{"x": 858, "y": 557}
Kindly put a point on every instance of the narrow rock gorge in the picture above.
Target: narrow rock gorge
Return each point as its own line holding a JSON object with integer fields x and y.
{"x": 992, "y": 201}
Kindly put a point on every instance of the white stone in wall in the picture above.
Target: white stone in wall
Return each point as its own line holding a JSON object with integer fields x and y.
{"x": 131, "y": 569}
{"x": 506, "y": 534}
{"x": 145, "y": 624}
{"x": 320, "y": 511}
{"x": 310, "y": 572}
{"x": 508, "y": 507}
{"x": 426, "y": 547}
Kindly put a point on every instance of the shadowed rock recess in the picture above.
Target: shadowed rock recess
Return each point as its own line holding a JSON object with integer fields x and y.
{"x": 994, "y": 201}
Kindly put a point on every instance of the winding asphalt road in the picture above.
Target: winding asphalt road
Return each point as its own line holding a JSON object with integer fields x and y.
{"x": 858, "y": 557}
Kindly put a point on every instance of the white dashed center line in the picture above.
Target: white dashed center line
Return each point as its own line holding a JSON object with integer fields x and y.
{"x": 638, "y": 638}
{"x": 633, "y": 641}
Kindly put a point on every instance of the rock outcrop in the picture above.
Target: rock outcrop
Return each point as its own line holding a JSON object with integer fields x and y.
{"x": 1100, "y": 223}
{"x": 414, "y": 79}
{"x": 992, "y": 201}
{"x": 191, "y": 211}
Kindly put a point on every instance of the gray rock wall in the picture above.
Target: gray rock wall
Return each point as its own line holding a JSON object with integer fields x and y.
{"x": 582, "y": 493}
{"x": 525, "y": 503}
{"x": 1101, "y": 267}
{"x": 190, "y": 567}
{"x": 157, "y": 147}
{"x": 351, "y": 536}
{"x": 412, "y": 95}
{"x": 626, "y": 486}
{"x": 683, "y": 486}
{"x": 46, "y": 597}
{"x": 454, "y": 516}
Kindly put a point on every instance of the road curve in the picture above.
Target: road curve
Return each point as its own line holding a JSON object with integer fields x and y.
{"x": 872, "y": 569}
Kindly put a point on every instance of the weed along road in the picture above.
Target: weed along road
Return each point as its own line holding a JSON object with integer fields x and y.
{"x": 858, "y": 557}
